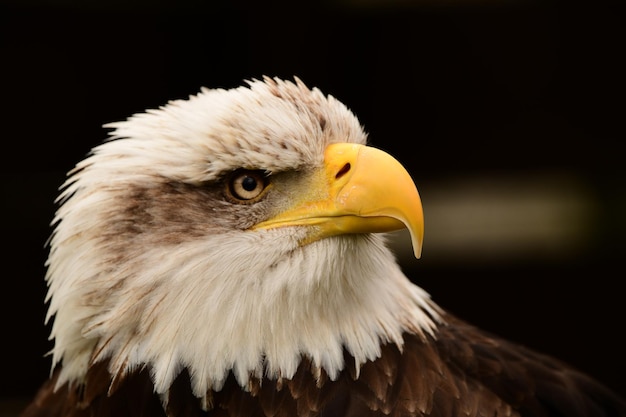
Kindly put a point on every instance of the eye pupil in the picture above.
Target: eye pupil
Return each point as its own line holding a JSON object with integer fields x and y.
{"x": 248, "y": 183}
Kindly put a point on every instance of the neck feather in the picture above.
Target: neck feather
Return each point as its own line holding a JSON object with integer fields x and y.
{"x": 186, "y": 311}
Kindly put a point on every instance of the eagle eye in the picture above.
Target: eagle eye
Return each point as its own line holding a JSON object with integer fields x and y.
{"x": 247, "y": 185}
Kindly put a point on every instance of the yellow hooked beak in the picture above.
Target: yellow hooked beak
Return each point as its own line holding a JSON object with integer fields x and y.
{"x": 358, "y": 189}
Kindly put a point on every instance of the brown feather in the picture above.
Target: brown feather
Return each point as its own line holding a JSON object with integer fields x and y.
{"x": 462, "y": 371}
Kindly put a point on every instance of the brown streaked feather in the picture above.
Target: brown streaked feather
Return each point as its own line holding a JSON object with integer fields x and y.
{"x": 532, "y": 383}
{"x": 180, "y": 399}
{"x": 135, "y": 398}
{"x": 463, "y": 371}
{"x": 274, "y": 399}
{"x": 233, "y": 401}
{"x": 47, "y": 402}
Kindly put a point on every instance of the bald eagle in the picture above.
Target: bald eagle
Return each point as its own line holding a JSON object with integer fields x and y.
{"x": 225, "y": 255}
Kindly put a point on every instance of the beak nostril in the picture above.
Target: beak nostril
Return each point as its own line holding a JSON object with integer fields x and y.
{"x": 344, "y": 170}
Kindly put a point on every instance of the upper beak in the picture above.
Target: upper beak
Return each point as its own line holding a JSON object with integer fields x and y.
{"x": 358, "y": 189}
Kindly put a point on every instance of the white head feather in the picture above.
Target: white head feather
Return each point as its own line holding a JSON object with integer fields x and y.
{"x": 143, "y": 275}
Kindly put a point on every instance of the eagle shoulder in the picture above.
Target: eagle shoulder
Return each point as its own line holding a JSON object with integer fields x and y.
{"x": 460, "y": 371}
{"x": 528, "y": 382}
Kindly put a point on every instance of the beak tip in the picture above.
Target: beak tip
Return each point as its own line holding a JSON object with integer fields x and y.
{"x": 417, "y": 246}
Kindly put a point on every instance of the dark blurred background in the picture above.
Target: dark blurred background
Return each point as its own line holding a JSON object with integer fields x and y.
{"x": 508, "y": 114}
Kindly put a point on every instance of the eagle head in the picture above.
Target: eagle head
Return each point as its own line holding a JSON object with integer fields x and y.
{"x": 234, "y": 232}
